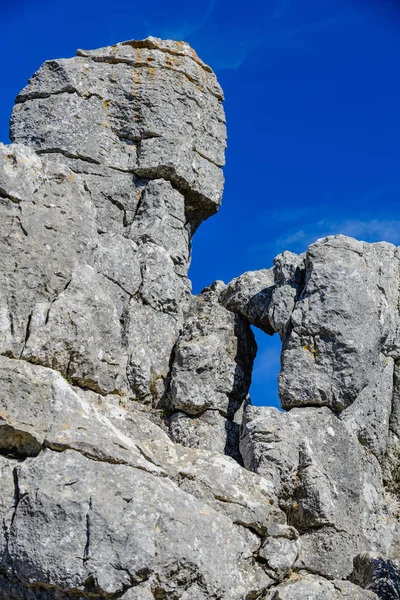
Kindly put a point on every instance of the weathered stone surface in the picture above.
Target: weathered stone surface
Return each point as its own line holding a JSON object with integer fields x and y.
{"x": 395, "y": 413}
{"x": 71, "y": 304}
{"x": 279, "y": 550}
{"x": 210, "y": 375}
{"x": 38, "y": 405}
{"x": 326, "y": 483}
{"x": 369, "y": 415}
{"x": 78, "y": 521}
{"x": 244, "y": 496}
{"x": 7, "y": 499}
{"x": 123, "y": 398}
{"x": 267, "y": 297}
{"x": 39, "y": 409}
{"x": 250, "y": 295}
{"x": 153, "y": 110}
{"x": 209, "y": 430}
{"x": 340, "y": 336}
{"x": 77, "y": 305}
{"x": 213, "y": 358}
{"x": 309, "y": 587}
{"x": 331, "y": 356}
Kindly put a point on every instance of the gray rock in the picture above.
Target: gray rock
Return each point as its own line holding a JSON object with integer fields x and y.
{"x": 245, "y": 497}
{"x": 326, "y": 483}
{"x": 250, "y": 295}
{"x": 7, "y": 499}
{"x": 267, "y": 297}
{"x": 160, "y": 219}
{"x": 309, "y": 587}
{"x": 149, "y": 336}
{"x": 139, "y": 592}
{"x": 39, "y": 409}
{"x": 395, "y": 413}
{"x": 369, "y": 415}
{"x": 75, "y": 306}
{"x": 78, "y": 307}
{"x": 210, "y": 375}
{"x": 123, "y": 397}
{"x": 279, "y": 550}
{"x": 213, "y": 358}
{"x": 331, "y": 356}
{"x": 153, "y": 109}
{"x": 79, "y": 522}
{"x": 209, "y": 430}
{"x": 79, "y": 333}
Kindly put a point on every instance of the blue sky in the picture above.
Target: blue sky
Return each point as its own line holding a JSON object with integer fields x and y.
{"x": 313, "y": 108}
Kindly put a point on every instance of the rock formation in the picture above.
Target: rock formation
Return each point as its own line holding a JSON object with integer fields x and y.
{"x": 133, "y": 464}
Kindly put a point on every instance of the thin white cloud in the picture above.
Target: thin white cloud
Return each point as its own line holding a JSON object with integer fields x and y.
{"x": 368, "y": 230}
{"x": 387, "y": 230}
{"x": 185, "y": 29}
{"x": 277, "y": 31}
{"x": 273, "y": 24}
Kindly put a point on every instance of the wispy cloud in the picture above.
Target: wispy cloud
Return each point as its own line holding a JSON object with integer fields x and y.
{"x": 185, "y": 28}
{"x": 275, "y": 23}
{"x": 370, "y": 230}
{"x": 229, "y": 36}
{"x": 296, "y": 227}
{"x": 279, "y": 24}
{"x": 366, "y": 229}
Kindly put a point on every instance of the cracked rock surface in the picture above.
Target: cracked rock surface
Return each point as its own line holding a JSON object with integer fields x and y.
{"x": 132, "y": 463}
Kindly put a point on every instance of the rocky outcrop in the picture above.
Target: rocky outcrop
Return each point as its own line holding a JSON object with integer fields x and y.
{"x": 211, "y": 375}
{"x": 120, "y": 162}
{"x": 132, "y": 463}
{"x": 326, "y": 483}
{"x": 338, "y": 319}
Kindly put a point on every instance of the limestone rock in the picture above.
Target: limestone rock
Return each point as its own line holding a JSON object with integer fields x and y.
{"x": 69, "y": 491}
{"x": 132, "y": 463}
{"x": 209, "y": 430}
{"x": 267, "y": 297}
{"x": 80, "y": 523}
{"x": 331, "y": 356}
{"x": 279, "y": 550}
{"x": 210, "y": 375}
{"x": 40, "y": 409}
{"x": 154, "y": 110}
{"x": 327, "y": 484}
{"x": 249, "y": 295}
{"x": 311, "y": 587}
{"x": 84, "y": 203}
{"x": 213, "y": 359}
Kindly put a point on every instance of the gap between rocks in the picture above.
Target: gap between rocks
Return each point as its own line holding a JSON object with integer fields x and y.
{"x": 264, "y": 385}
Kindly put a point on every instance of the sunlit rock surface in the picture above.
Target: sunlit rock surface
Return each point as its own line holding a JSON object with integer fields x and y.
{"x": 132, "y": 462}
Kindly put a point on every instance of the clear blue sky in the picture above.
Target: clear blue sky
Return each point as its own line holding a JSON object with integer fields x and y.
{"x": 313, "y": 107}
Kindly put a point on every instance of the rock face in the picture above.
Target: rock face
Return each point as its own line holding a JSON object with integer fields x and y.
{"x": 211, "y": 375}
{"x": 120, "y": 163}
{"x": 132, "y": 463}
